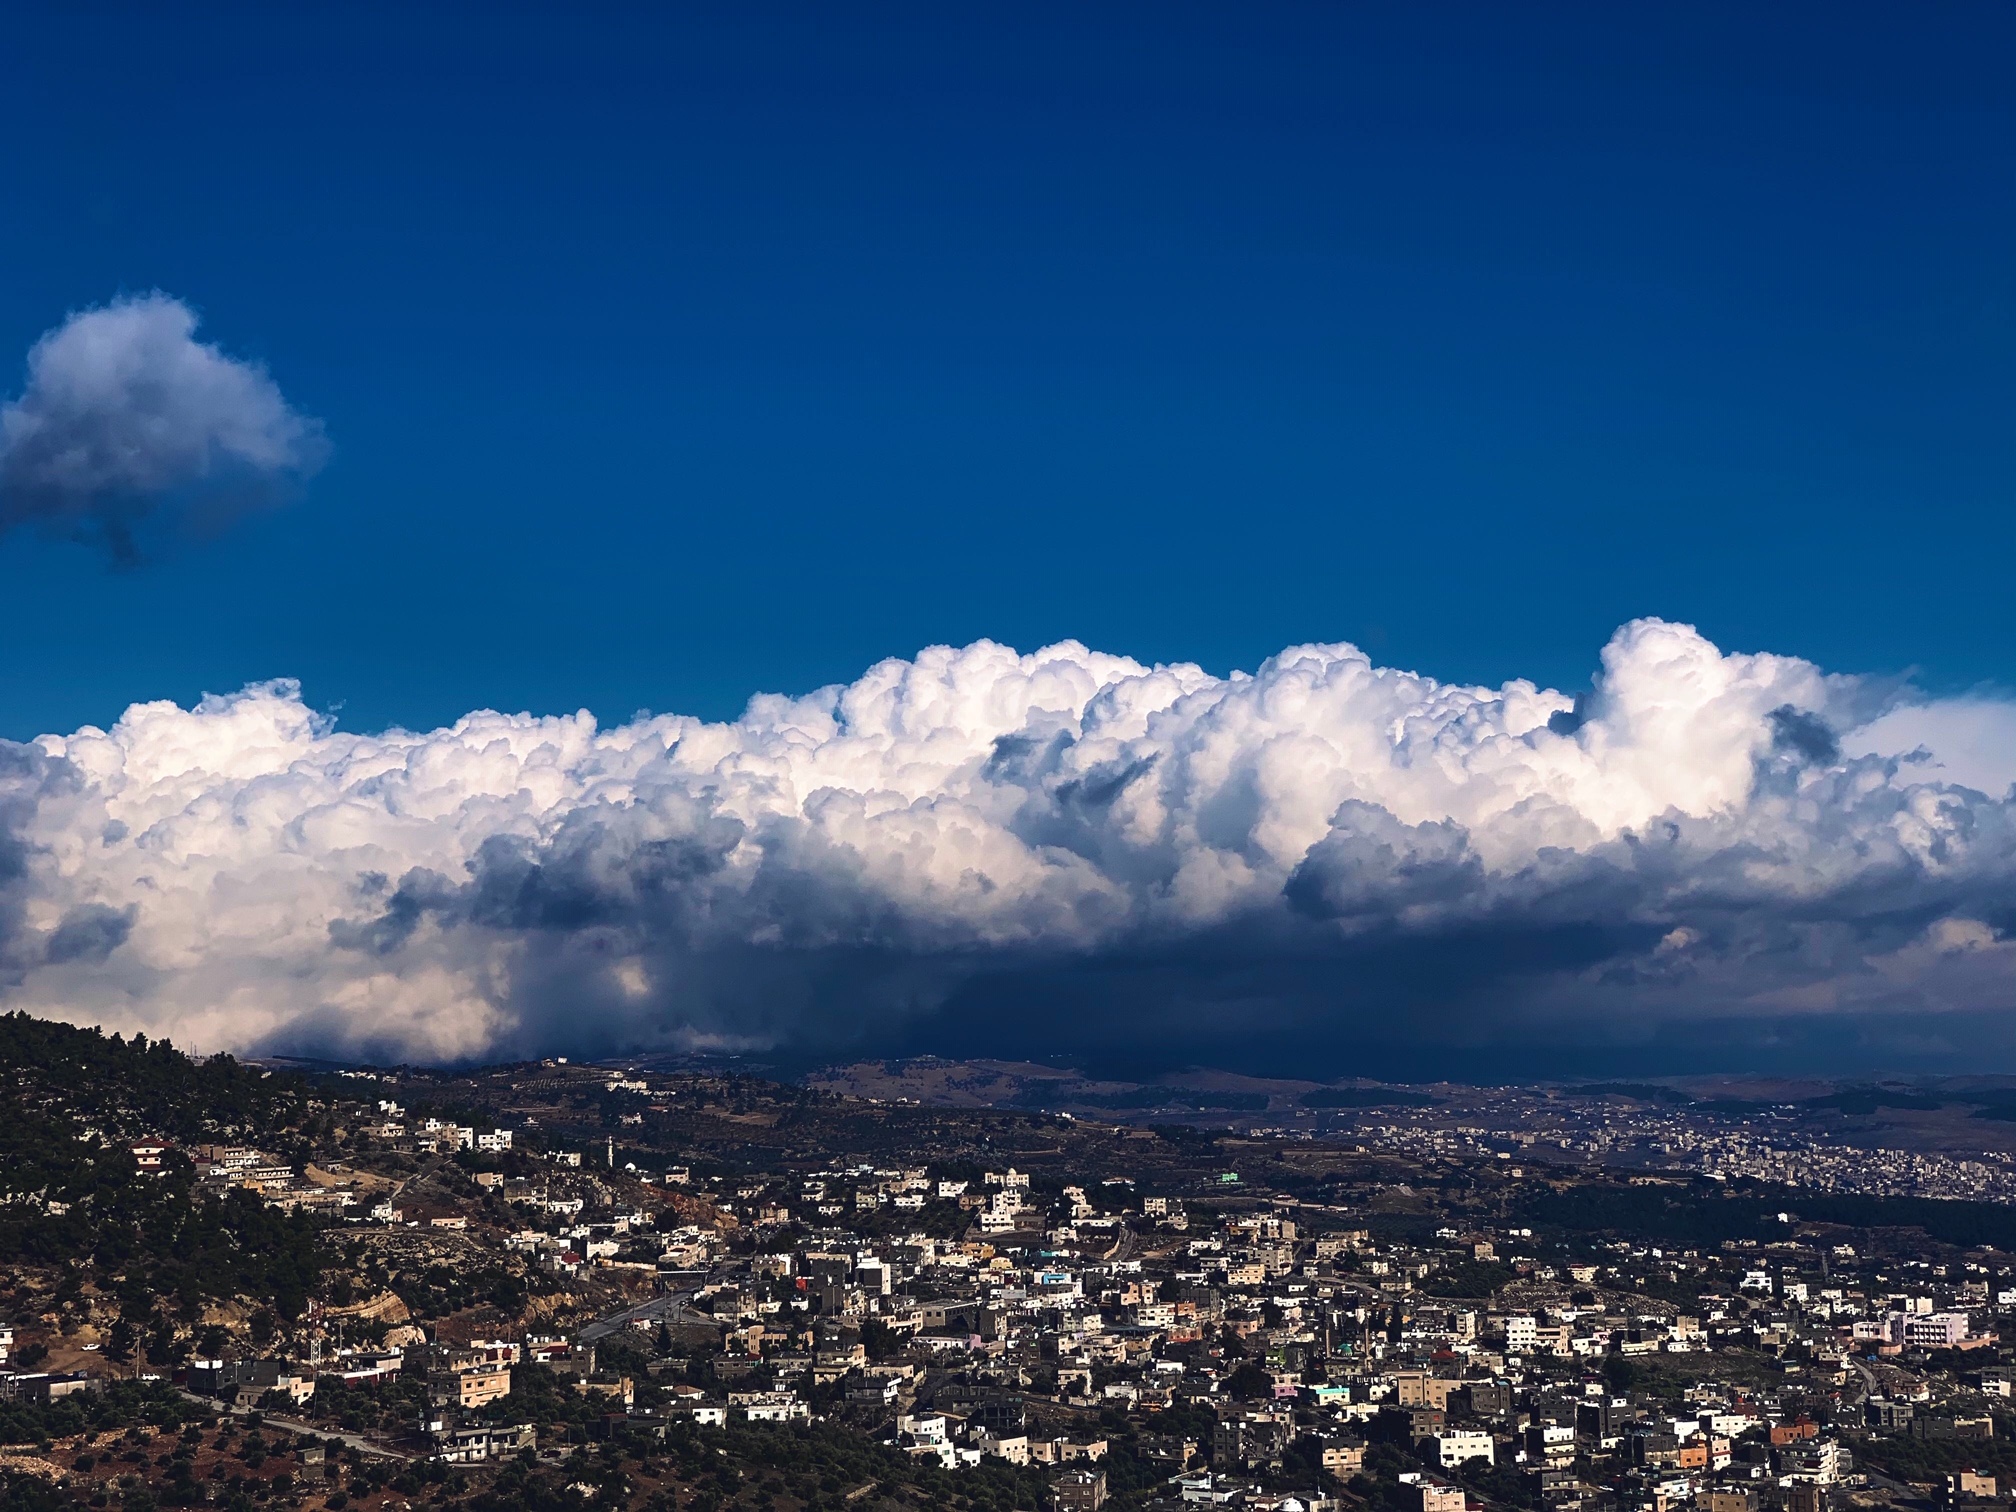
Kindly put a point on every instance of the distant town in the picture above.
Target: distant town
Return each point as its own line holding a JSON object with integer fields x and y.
{"x": 673, "y": 1286}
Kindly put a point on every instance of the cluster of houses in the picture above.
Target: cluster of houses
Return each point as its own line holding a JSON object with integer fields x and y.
{"x": 1014, "y": 1316}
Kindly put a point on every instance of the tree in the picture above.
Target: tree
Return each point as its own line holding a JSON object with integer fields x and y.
{"x": 879, "y": 1339}
{"x": 1249, "y": 1383}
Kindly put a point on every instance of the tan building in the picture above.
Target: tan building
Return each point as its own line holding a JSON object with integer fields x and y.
{"x": 482, "y": 1384}
{"x": 1343, "y": 1460}
{"x": 1417, "y": 1388}
{"x": 620, "y": 1388}
{"x": 1063, "y": 1451}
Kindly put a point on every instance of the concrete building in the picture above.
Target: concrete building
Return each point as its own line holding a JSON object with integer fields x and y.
{"x": 1078, "y": 1490}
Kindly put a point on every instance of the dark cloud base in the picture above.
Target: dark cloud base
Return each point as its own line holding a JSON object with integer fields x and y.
{"x": 1487, "y": 1006}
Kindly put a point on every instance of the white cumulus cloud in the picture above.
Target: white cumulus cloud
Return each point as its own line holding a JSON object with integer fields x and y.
{"x": 1702, "y": 835}
{"x": 125, "y": 414}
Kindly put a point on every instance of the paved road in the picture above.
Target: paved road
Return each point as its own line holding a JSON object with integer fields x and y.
{"x": 294, "y": 1425}
{"x": 1869, "y": 1387}
{"x": 666, "y": 1308}
{"x": 427, "y": 1169}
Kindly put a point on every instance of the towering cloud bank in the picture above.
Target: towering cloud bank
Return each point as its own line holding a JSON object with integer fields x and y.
{"x": 1324, "y": 844}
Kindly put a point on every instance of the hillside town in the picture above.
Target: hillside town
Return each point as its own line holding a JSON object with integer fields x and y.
{"x": 540, "y": 1269}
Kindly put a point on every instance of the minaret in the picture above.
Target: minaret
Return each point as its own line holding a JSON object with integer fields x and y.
{"x": 612, "y": 1152}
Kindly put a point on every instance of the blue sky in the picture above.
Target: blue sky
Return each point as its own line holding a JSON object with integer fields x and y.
{"x": 672, "y": 353}
{"x": 649, "y": 358}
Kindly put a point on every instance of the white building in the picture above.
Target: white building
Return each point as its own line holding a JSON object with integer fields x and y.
{"x": 1455, "y": 1445}
{"x": 1939, "y": 1331}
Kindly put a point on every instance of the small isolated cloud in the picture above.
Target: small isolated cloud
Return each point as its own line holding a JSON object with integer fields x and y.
{"x": 1062, "y": 850}
{"x": 126, "y": 416}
